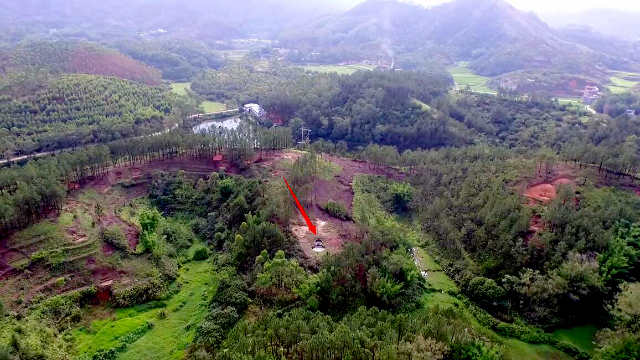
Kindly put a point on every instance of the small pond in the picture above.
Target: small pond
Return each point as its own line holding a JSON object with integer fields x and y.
{"x": 230, "y": 124}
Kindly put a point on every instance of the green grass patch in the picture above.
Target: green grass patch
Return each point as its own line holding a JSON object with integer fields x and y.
{"x": 580, "y": 336}
{"x": 180, "y": 88}
{"x": 65, "y": 219}
{"x": 424, "y": 106}
{"x": 327, "y": 170}
{"x": 463, "y": 76}
{"x": 623, "y": 82}
{"x": 211, "y": 106}
{"x": 131, "y": 213}
{"x": 46, "y": 234}
{"x": 170, "y": 335}
{"x": 517, "y": 349}
{"x": 89, "y": 196}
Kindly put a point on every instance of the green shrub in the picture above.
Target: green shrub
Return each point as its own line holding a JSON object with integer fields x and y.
{"x": 114, "y": 236}
{"x": 401, "y": 194}
{"x": 162, "y": 314}
{"x": 336, "y": 209}
{"x": 201, "y": 253}
{"x": 138, "y": 294}
{"x": 571, "y": 350}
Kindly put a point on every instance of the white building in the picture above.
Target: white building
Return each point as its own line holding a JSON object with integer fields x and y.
{"x": 254, "y": 109}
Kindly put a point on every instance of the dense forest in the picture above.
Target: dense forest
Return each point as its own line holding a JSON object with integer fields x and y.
{"x": 74, "y": 110}
{"x": 179, "y": 60}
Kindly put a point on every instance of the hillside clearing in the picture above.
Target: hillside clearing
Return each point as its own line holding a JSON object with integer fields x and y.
{"x": 180, "y": 88}
{"x": 464, "y": 77}
{"x": 623, "y": 82}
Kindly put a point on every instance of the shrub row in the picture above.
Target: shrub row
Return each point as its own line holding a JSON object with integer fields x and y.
{"x": 141, "y": 293}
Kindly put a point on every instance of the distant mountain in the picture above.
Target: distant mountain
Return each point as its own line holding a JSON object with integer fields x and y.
{"x": 622, "y": 24}
{"x": 492, "y": 35}
{"x": 206, "y": 19}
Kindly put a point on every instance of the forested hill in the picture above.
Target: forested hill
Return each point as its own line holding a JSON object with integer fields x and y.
{"x": 73, "y": 110}
{"x": 76, "y": 57}
{"x": 496, "y": 38}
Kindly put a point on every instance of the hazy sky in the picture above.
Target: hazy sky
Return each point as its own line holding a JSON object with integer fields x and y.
{"x": 560, "y": 5}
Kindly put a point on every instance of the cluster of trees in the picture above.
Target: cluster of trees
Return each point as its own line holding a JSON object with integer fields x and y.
{"x": 616, "y": 105}
{"x": 80, "y": 109}
{"x": 481, "y": 229}
{"x": 368, "y": 106}
{"x": 432, "y": 333}
{"x": 179, "y": 60}
{"x": 77, "y": 57}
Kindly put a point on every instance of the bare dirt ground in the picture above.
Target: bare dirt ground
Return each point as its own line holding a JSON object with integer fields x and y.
{"x": 542, "y": 188}
{"x": 333, "y": 232}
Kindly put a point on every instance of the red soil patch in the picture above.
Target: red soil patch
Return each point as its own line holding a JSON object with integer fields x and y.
{"x": 107, "y": 250}
{"x": 543, "y": 193}
{"x": 12, "y": 256}
{"x": 333, "y": 232}
{"x": 112, "y": 64}
{"x": 106, "y": 277}
{"x": 546, "y": 192}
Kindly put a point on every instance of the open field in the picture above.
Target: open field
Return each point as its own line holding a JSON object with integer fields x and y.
{"x": 340, "y": 69}
{"x": 209, "y": 106}
{"x": 623, "y": 82}
{"x": 212, "y": 106}
{"x": 463, "y": 76}
{"x": 180, "y": 88}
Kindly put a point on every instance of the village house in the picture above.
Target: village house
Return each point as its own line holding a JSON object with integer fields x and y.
{"x": 590, "y": 95}
{"x": 254, "y": 110}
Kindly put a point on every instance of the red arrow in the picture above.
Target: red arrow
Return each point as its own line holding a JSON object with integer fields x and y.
{"x": 312, "y": 227}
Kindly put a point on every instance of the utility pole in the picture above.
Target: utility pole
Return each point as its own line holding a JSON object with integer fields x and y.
{"x": 304, "y": 131}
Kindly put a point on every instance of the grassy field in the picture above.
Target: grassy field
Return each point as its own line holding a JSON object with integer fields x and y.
{"x": 209, "y": 106}
{"x": 580, "y": 336}
{"x": 169, "y": 336}
{"x": 180, "y": 88}
{"x": 340, "y": 69}
{"x": 623, "y": 82}
{"x": 463, "y": 76}
{"x": 212, "y": 106}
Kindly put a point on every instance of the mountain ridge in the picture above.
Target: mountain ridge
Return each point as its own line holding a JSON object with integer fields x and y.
{"x": 492, "y": 35}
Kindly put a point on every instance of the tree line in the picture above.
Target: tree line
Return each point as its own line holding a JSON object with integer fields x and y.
{"x": 29, "y": 192}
